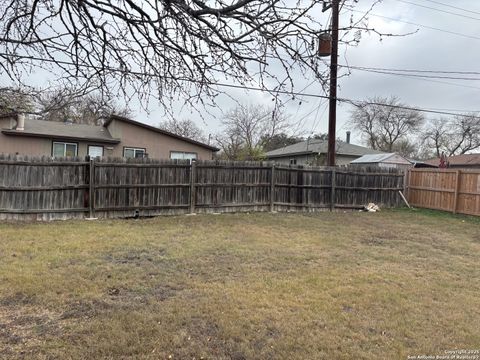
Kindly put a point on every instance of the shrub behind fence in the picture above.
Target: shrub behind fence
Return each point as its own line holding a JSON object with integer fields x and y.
{"x": 42, "y": 188}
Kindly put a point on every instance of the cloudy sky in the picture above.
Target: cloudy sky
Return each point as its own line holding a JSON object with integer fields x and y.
{"x": 428, "y": 49}
{"x": 447, "y": 38}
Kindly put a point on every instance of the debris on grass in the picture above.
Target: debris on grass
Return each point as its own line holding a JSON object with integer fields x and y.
{"x": 371, "y": 207}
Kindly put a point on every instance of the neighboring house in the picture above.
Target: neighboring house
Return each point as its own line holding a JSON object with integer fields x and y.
{"x": 465, "y": 161}
{"x": 314, "y": 151}
{"x": 118, "y": 137}
{"x": 389, "y": 160}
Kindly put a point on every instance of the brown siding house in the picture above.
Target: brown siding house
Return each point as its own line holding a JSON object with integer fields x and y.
{"x": 118, "y": 137}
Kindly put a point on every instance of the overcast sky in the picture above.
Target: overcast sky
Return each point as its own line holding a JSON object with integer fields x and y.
{"x": 427, "y": 49}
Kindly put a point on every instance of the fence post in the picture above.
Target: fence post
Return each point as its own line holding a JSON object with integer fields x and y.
{"x": 457, "y": 186}
{"x": 192, "y": 186}
{"x": 91, "y": 188}
{"x": 332, "y": 192}
{"x": 272, "y": 189}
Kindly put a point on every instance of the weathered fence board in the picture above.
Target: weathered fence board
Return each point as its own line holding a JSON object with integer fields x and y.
{"x": 42, "y": 188}
{"x": 448, "y": 190}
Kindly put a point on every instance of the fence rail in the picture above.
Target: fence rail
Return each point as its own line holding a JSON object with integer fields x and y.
{"x": 457, "y": 191}
{"x": 43, "y": 188}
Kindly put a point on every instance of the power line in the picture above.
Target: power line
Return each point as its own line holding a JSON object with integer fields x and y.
{"x": 244, "y": 87}
{"x": 299, "y": 123}
{"x": 420, "y": 25}
{"x": 416, "y": 70}
{"x": 419, "y": 77}
{"x": 317, "y": 119}
{"x": 439, "y": 10}
{"x": 404, "y": 73}
{"x": 400, "y": 107}
{"x": 453, "y": 7}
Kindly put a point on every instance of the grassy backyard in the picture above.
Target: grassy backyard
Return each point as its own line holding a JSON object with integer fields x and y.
{"x": 245, "y": 286}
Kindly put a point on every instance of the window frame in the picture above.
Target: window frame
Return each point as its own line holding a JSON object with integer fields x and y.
{"x": 65, "y": 143}
{"x": 145, "y": 155}
{"x": 293, "y": 161}
{"x": 184, "y": 152}
{"x": 93, "y": 145}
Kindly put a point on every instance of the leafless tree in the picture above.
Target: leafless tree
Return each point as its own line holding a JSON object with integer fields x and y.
{"x": 385, "y": 123}
{"x": 15, "y": 99}
{"x": 63, "y": 104}
{"x": 252, "y": 126}
{"x": 186, "y": 128}
{"x": 454, "y": 136}
{"x": 231, "y": 146}
{"x": 165, "y": 48}
{"x": 67, "y": 105}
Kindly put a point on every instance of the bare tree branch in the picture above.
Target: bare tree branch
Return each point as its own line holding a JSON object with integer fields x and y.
{"x": 385, "y": 123}
{"x": 164, "y": 48}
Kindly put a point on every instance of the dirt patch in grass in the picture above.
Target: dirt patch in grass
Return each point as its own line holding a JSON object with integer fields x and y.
{"x": 378, "y": 238}
{"x": 23, "y": 330}
{"x": 240, "y": 286}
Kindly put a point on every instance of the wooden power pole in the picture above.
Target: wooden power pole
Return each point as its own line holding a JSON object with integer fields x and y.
{"x": 332, "y": 111}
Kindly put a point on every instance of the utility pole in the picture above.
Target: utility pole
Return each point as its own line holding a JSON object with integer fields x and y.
{"x": 332, "y": 111}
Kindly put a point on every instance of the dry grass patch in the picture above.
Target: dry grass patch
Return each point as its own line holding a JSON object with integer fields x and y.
{"x": 258, "y": 286}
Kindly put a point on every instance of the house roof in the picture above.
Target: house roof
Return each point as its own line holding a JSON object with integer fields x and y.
{"x": 81, "y": 132}
{"x": 381, "y": 158}
{"x": 458, "y": 160}
{"x": 158, "y": 130}
{"x": 315, "y": 146}
{"x": 61, "y": 130}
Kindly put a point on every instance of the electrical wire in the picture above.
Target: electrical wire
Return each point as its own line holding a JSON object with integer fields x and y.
{"x": 317, "y": 118}
{"x": 244, "y": 87}
{"x": 414, "y": 70}
{"x": 420, "y": 25}
{"x": 453, "y": 7}
{"x": 421, "y": 78}
{"x": 410, "y": 74}
{"x": 439, "y": 10}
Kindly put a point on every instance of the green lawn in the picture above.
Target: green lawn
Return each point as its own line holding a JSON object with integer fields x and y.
{"x": 247, "y": 286}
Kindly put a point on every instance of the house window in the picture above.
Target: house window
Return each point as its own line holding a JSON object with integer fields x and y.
{"x": 130, "y": 152}
{"x": 95, "y": 151}
{"x": 293, "y": 161}
{"x": 61, "y": 149}
{"x": 182, "y": 155}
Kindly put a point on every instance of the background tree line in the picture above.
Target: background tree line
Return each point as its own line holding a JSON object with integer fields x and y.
{"x": 387, "y": 124}
{"x": 64, "y": 104}
{"x": 251, "y": 130}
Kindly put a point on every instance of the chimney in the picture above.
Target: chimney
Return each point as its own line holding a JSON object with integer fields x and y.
{"x": 348, "y": 137}
{"x": 20, "y": 122}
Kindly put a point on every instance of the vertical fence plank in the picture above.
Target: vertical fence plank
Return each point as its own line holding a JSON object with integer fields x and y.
{"x": 91, "y": 188}
{"x": 457, "y": 187}
{"x": 272, "y": 188}
{"x": 332, "y": 191}
{"x": 192, "y": 186}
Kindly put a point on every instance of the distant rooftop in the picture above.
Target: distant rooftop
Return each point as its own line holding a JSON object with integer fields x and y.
{"x": 381, "y": 158}
{"x": 458, "y": 160}
{"x": 316, "y": 146}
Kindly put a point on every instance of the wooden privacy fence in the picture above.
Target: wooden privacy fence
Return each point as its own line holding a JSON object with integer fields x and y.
{"x": 42, "y": 188}
{"x": 445, "y": 189}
